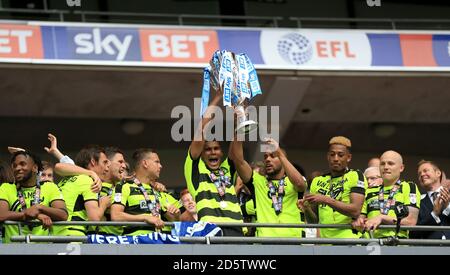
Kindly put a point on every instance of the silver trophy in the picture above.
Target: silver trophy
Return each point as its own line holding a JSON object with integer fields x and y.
{"x": 244, "y": 125}
{"x": 236, "y": 76}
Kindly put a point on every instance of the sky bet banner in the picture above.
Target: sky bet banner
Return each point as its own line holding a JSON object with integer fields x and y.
{"x": 297, "y": 49}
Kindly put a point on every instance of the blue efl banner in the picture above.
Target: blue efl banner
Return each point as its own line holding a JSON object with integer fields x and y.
{"x": 268, "y": 48}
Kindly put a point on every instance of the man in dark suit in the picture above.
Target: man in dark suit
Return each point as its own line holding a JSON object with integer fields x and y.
{"x": 434, "y": 206}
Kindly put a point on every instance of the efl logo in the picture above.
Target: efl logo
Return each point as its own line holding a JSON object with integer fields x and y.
{"x": 298, "y": 49}
{"x": 20, "y": 42}
{"x": 334, "y": 49}
{"x": 373, "y": 3}
{"x": 178, "y": 45}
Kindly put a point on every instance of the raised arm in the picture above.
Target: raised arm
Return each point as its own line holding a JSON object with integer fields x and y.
{"x": 291, "y": 172}
{"x": 54, "y": 151}
{"x": 236, "y": 154}
{"x": 198, "y": 142}
{"x": 67, "y": 169}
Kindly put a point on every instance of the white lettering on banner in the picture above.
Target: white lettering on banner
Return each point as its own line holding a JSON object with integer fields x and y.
{"x": 98, "y": 238}
{"x": 82, "y": 40}
{"x": 176, "y": 45}
{"x": 95, "y": 43}
{"x": 135, "y": 239}
{"x": 199, "y": 41}
{"x": 21, "y": 37}
{"x": 159, "y": 45}
{"x": 112, "y": 239}
{"x": 179, "y": 46}
{"x": 328, "y": 49}
{"x": 163, "y": 237}
{"x": 123, "y": 240}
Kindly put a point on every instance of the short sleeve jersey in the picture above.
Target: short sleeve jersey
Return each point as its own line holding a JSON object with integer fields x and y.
{"x": 211, "y": 207}
{"x": 266, "y": 212}
{"x": 130, "y": 196}
{"x": 10, "y": 193}
{"x": 407, "y": 194}
{"x": 107, "y": 190}
{"x": 76, "y": 191}
{"x": 338, "y": 188}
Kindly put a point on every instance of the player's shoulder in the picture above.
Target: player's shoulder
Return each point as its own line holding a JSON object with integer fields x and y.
{"x": 8, "y": 186}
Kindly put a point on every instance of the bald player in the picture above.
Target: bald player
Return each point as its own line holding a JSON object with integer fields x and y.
{"x": 380, "y": 201}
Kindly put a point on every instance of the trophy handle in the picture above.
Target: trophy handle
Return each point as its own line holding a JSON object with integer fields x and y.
{"x": 244, "y": 125}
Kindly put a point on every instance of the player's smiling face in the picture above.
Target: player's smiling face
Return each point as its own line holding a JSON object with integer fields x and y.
{"x": 23, "y": 167}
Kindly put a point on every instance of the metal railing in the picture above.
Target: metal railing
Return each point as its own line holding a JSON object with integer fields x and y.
{"x": 393, "y": 23}
{"x": 272, "y": 21}
{"x": 253, "y": 240}
{"x": 245, "y": 240}
{"x": 233, "y": 224}
{"x": 60, "y": 13}
{"x": 254, "y": 21}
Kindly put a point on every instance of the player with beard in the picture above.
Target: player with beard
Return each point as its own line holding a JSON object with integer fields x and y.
{"x": 336, "y": 197}
{"x": 30, "y": 199}
{"x": 276, "y": 193}
{"x": 211, "y": 178}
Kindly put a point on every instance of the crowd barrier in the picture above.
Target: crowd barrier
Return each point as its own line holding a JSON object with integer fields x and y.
{"x": 247, "y": 240}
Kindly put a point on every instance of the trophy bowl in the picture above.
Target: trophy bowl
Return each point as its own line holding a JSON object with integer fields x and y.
{"x": 246, "y": 127}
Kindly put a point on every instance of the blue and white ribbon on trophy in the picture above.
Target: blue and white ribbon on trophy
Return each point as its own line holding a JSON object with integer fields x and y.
{"x": 236, "y": 75}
